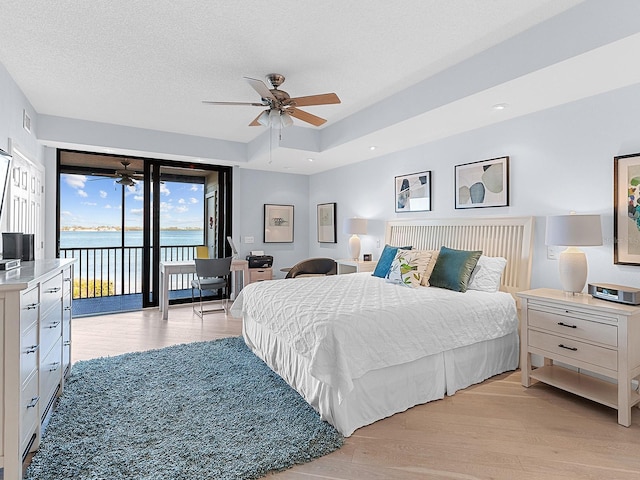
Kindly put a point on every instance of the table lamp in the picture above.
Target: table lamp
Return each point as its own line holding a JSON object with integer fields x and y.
{"x": 355, "y": 227}
{"x": 573, "y": 231}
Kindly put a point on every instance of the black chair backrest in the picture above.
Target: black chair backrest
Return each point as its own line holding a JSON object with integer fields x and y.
{"x": 313, "y": 266}
{"x": 213, "y": 267}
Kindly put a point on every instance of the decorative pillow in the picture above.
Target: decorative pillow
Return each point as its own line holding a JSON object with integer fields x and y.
{"x": 386, "y": 258}
{"x": 429, "y": 271}
{"x": 486, "y": 276}
{"x": 408, "y": 267}
{"x": 453, "y": 269}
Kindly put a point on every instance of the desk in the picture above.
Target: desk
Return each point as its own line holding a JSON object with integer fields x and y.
{"x": 189, "y": 266}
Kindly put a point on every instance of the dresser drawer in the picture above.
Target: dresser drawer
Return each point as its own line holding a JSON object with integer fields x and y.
{"x": 572, "y": 326}
{"x": 50, "y": 331}
{"x": 574, "y": 349}
{"x": 51, "y": 293}
{"x": 29, "y": 406}
{"x": 50, "y": 373}
{"x": 29, "y": 308}
{"x": 28, "y": 353}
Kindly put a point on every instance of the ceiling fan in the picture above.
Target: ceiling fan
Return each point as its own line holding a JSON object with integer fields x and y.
{"x": 280, "y": 106}
{"x": 125, "y": 176}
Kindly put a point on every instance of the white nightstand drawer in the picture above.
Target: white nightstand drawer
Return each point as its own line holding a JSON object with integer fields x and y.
{"x": 575, "y": 327}
{"x": 574, "y": 349}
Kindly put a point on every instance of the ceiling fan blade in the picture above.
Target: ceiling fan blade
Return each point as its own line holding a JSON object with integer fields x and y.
{"x": 260, "y": 87}
{"x": 305, "y": 116}
{"x": 321, "y": 99}
{"x": 255, "y": 122}
{"x": 254, "y": 104}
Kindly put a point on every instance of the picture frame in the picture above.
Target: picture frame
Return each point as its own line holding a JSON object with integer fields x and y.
{"x": 326, "y": 221}
{"x": 278, "y": 223}
{"x": 482, "y": 184}
{"x": 626, "y": 210}
{"x": 413, "y": 192}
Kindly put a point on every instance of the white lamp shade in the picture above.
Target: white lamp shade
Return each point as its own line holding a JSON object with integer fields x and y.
{"x": 574, "y": 230}
{"x": 263, "y": 118}
{"x": 355, "y": 226}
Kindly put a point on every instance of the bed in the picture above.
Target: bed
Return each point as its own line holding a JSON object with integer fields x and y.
{"x": 360, "y": 349}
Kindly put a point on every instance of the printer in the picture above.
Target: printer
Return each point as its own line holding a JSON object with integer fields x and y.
{"x": 260, "y": 261}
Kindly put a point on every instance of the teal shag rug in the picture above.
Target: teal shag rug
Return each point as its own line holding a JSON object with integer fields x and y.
{"x": 208, "y": 410}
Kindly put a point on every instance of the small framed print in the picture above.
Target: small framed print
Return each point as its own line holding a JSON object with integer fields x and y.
{"x": 326, "y": 213}
{"x": 482, "y": 184}
{"x": 413, "y": 192}
{"x": 278, "y": 223}
{"x": 626, "y": 210}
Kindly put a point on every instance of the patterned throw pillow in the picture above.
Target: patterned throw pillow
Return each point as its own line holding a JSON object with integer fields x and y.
{"x": 429, "y": 270}
{"x": 408, "y": 267}
{"x": 386, "y": 258}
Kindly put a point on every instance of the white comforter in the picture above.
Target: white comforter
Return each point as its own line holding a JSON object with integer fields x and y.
{"x": 347, "y": 325}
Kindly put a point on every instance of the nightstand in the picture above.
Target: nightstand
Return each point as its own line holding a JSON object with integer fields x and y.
{"x": 354, "y": 266}
{"x": 260, "y": 274}
{"x": 588, "y": 334}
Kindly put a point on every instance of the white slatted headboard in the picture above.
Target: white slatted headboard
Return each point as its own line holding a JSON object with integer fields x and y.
{"x": 508, "y": 237}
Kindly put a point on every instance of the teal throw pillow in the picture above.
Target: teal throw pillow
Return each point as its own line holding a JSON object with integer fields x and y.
{"x": 386, "y": 259}
{"x": 454, "y": 268}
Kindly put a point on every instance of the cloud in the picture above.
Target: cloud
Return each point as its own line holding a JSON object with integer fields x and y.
{"x": 195, "y": 188}
{"x": 75, "y": 181}
{"x": 107, "y": 206}
{"x": 181, "y": 201}
{"x": 139, "y": 198}
{"x": 82, "y": 193}
{"x": 181, "y": 209}
{"x": 164, "y": 189}
{"x": 193, "y": 200}
{"x": 136, "y": 211}
{"x": 66, "y": 213}
{"x": 103, "y": 194}
{"x": 89, "y": 204}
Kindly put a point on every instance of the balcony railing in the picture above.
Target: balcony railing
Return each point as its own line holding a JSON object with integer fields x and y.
{"x": 110, "y": 271}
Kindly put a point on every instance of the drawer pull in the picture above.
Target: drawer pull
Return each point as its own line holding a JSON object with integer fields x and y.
{"x": 54, "y": 366}
{"x": 32, "y": 349}
{"x": 34, "y": 402}
{"x": 54, "y": 290}
{"x": 54, "y": 324}
{"x": 67, "y": 343}
{"x": 573, "y": 349}
{"x": 68, "y": 279}
{"x": 66, "y": 309}
{"x": 33, "y": 306}
{"x": 562, "y": 324}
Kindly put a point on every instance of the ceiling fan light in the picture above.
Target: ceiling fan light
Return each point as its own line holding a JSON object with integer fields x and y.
{"x": 274, "y": 118}
{"x": 263, "y": 118}
{"x": 286, "y": 119}
{"x": 126, "y": 181}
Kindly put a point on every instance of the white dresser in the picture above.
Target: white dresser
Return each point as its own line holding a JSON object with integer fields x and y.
{"x": 588, "y": 334}
{"x": 35, "y": 333}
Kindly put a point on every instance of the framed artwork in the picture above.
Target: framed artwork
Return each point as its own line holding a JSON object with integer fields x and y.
{"x": 483, "y": 184}
{"x": 278, "y": 223}
{"x": 413, "y": 192}
{"x": 327, "y": 223}
{"x": 626, "y": 210}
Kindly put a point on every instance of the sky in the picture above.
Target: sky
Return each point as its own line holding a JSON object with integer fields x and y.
{"x": 89, "y": 201}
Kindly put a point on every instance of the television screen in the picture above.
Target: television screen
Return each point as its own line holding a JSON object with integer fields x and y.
{"x": 5, "y": 164}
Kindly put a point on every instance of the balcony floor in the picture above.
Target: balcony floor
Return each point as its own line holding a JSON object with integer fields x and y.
{"x": 83, "y": 307}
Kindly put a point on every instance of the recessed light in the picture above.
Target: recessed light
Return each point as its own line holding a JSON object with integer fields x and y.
{"x": 310, "y": 159}
{"x": 372, "y": 147}
{"x": 287, "y": 168}
{"x": 500, "y": 106}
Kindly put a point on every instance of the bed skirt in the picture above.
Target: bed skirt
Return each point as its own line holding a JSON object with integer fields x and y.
{"x": 381, "y": 393}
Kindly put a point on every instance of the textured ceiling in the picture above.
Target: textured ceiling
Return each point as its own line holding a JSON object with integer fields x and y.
{"x": 149, "y": 64}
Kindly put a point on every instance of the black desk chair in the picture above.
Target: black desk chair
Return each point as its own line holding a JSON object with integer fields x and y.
{"x": 211, "y": 274}
{"x": 313, "y": 267}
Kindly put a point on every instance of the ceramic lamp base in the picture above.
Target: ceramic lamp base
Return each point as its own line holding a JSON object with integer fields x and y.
{"x": 573, "y": 270}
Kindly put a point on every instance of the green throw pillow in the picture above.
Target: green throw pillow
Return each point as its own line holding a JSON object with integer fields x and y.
{"x": 453, "y": 269}
{"x": 386, "y": 259}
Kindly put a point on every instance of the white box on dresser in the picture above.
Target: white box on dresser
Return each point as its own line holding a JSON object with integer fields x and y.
{"x": 586, "y": 333}
{"x": 31, "y": 359}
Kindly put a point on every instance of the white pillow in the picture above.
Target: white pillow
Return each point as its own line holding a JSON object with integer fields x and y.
{"x": 486, "y": 276}
{"x": 408, "y": 267}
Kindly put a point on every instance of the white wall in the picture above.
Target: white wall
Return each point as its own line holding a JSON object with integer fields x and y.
{"x": 560, "y": 159}
{"x": 252, "y": 189}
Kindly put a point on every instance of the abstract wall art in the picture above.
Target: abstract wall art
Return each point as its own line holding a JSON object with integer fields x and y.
{"x": 413, "y": 192}
{"x": 626, "y": 205}
{"x": 482, "y": 184}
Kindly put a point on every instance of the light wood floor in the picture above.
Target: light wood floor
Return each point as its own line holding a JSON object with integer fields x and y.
{"x": 495, "y": 430}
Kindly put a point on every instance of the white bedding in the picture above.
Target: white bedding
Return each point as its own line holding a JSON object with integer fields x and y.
{"x": 345, "y": 326}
